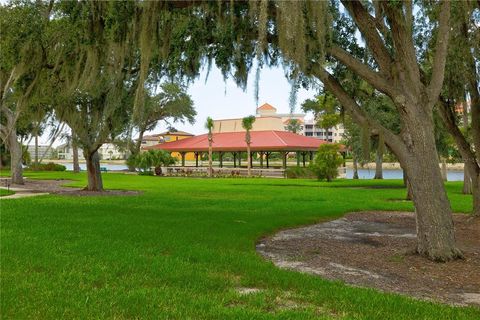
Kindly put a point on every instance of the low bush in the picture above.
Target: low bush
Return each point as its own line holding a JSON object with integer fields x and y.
{"x": 47, "y": 167}
{"x": 151, "y": 158}
{"x": 299, "y": 173}
{"x": 327, "y": 161}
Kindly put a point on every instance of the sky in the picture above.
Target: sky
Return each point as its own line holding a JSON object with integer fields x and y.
{"x": 221, "y": 99}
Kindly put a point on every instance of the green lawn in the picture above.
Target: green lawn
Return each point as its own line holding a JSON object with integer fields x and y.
{"x": 5, "y": 192}
{"x": 179, "y": 250}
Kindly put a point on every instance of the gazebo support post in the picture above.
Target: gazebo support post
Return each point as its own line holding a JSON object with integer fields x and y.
{"x": 284, "y": 159}
{"x": 261, "y": 153}
{"x": 298, "y": 158}
{"x": 251, "y": 159}
{"x": 220, "y": 158}
{"x": 234, "y": 159}
{"x": 196, "y": 159}
{"x": 311, "y": 155}
{"x": 239, "y": 159}
{"x": 267, "y": 155}
{"x": 183, "y": 158}
{"x": 303, "y": 157}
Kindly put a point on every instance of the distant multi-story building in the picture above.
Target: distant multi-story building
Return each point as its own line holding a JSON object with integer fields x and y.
{"x": 44, "y": 151}
{"x": 267, "y": 118}
{"x": 65, "y": 152}
{"x": 108, "y": 151}
{"x": 334, "y": 134}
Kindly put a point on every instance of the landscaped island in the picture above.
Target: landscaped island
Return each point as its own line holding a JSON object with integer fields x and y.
{"x": 185, "y": 248}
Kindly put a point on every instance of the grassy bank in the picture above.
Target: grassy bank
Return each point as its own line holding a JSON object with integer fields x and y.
{"x": 181, "y": 249}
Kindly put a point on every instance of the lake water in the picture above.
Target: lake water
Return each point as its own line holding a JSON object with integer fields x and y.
{"x": 362, "y": 173}
{"x": 110, "y": 167}
{"x": 397, "y": 174}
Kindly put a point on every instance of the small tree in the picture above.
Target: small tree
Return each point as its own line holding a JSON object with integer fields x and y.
{"x": 209, "y": 127}
{"x": 327, "y": 161}
{"x": 247, "y": 124}
{"x": 171, "y": 104}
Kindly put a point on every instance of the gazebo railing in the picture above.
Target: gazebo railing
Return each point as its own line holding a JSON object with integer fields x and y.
{"x": 226, "y": 171}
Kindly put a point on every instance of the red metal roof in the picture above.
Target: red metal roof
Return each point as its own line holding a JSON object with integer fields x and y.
{"x": 235, "y": 141}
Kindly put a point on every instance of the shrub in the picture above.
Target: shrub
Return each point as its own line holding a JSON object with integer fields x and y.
{"x": 299, "y": 173}
{"x": 326, "y": 162}
{"x": 152, "y": 158}
{"x": 47, "y": 167}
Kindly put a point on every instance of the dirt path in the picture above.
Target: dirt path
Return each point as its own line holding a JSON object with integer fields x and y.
{"x": 374, "y": 249}
{"x": 42, "y": 187}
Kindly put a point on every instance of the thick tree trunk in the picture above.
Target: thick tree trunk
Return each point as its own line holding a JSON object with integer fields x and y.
{"x": 355, "y": 166}
{"x": 414, "y": 146}
{"x": 16, "y": 169}
{"x": 435, "y": 232}
{"x": 379, "y": 163}
{"x": 95, "y": 182}
{"x": 76, "y": 165}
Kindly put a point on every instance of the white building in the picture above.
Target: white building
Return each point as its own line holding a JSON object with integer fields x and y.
{"x": 65, "y": 152}
{"x": 43, "y": 151}
{"x": 334, "y": 134}
{"x": 108, "y": 151}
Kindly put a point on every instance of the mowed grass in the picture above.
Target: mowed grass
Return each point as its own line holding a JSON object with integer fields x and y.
{"x": 182, "y": 248}
{"x": 5, "y": 192}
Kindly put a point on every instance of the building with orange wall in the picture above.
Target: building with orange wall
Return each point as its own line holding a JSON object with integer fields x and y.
{"x": 166, "y": 137}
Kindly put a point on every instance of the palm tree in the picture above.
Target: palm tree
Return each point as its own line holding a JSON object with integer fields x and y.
{"x": 247, "y": 124}
{"x": 209, "y": 127}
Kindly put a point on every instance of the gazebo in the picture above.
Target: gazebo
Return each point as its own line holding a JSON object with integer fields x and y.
{"x": 262, "y": 142}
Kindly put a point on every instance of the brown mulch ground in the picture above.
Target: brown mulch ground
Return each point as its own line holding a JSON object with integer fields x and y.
{"x": 374, "y": 249}
{"x": 56, "y": 187}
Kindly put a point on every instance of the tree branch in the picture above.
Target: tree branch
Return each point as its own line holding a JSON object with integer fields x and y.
{"x": 405, "y": 55}
{"x": 440, "y": 58}
{"x": 367, "y": 26}
{"x": 4, "y": 91}
{"x": 380, "y": 24}
{"x": 374, "y": 78}
{"x": 448, "y": 118}
{"x": 358, "y": 114}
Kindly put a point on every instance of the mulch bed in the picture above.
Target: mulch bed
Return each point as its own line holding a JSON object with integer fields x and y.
{"x": 375, "y": 249}
{"x": 56, "y": 187}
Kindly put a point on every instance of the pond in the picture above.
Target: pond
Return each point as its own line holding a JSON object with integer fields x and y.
{"x": 398, "y": 174}
{"x": 362, "y": 173}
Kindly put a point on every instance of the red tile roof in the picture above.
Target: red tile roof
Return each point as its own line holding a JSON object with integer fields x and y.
{"x": 266, "y": 106}
{"x": 235, "y": 141}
